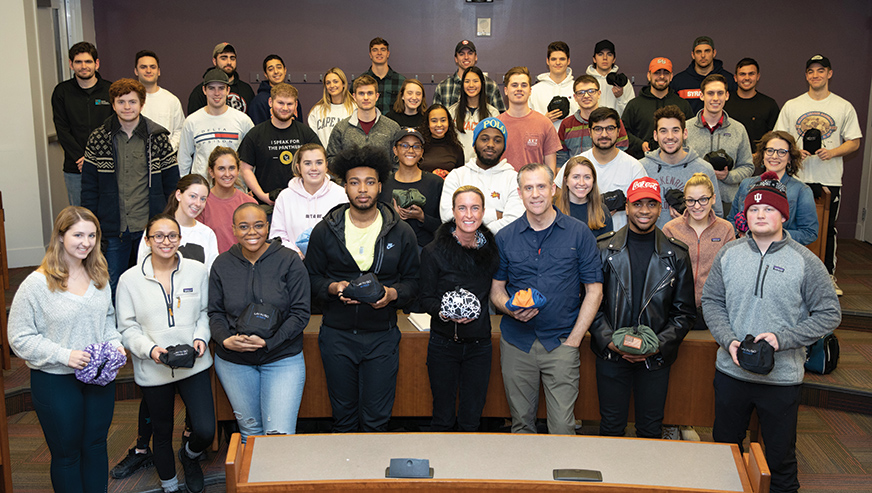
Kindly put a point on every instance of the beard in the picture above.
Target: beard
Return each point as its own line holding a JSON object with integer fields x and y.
{"x": 486, "y": 162}
{"x": 279, "y": 117}
{"x": 609, "y": 147}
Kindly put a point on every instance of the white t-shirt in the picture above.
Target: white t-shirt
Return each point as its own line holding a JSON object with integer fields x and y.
{"x": 617, "y": 174}
{"x": 200, "y": 235}
{"x": 323, "y": 123}
{"x": 837, "y": 121}
{"x": 165, "y": 109}
{"x": 202, "y": 132}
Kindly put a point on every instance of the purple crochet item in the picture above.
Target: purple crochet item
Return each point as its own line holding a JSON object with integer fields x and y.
{"x": 103, "y": 367}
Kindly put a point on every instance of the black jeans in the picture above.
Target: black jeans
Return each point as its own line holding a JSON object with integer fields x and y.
{"x": 75, "y": 419}
{"x": 453, "y": 366}
{"x": 360, "y": 368}
{"x": 615, "y": 381}
{"x": 777, "y": 408}
{"x": 196, "y": 392}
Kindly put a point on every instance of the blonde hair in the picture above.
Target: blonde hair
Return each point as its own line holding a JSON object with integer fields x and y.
{"x": 323, "y": 105}
{"x": 298, "y": 157}
{"x": 700, "y": 179}
{"x": 596, "y": 217}
{"x": 54, "y": 265}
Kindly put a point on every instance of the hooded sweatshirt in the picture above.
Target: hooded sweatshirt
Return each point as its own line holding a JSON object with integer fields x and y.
{"x": 687, "y": 83}
{"x": 239, "y": 98}
{"x": 732, "y": 138}
{"x": 279, "y": 278}
{"x": 148, "y": 316}
{"x": 545, "y": 89}
{"x": 675, "y": 176}
{"x": 297, "y": 211}
{"x": 499, "y": 185}
{"x": 607, "y": 97}
{"x": 638, "y": 117}
{"x": 395, "y": 263}
{"x": 786, "y": 291}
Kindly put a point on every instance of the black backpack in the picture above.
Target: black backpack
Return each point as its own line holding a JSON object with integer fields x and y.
{"x": 822, "y": 357}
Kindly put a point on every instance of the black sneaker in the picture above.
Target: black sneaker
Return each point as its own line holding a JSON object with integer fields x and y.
{"x": 132, "y": 463}
{"x": 193, "y": 472}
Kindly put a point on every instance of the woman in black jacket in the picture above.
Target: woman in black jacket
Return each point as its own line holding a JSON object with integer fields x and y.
{"x": 260, "y": 365}
{"x": 463, "y": 255}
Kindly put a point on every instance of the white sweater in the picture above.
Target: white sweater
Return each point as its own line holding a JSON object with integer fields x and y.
{"x": 297, "y": 212}
{"x": 607, "y": 97}
{"x": 45, "y": 326}
{"x": 146, "y": 320}
{"x": 202, "y": 132}
{"x": 499, "y": 185}
{"x": 323, "y": 123}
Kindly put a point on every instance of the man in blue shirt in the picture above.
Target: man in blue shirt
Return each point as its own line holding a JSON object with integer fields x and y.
{"x": 555, "y": 254}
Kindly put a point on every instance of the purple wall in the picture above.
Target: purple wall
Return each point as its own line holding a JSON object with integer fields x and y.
{"x": 314, "y": 35}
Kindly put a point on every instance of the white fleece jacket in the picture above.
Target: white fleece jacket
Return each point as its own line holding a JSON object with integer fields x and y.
{"x": 149, "y": 317}
{"x": 607, "y": 97}
{"x": 499, "y": 185}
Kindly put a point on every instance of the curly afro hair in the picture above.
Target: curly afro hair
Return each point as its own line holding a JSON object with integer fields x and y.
{"x": 366, "y": 156}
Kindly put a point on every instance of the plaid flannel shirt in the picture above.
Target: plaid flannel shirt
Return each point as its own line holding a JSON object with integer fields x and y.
{"x": 388, "y": 89}
{"x": 448, "y": 92}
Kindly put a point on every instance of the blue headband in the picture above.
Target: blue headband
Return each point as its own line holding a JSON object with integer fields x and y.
{"x": 489, "y": 123}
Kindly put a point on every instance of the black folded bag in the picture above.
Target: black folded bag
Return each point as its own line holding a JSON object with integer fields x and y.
{"x": 719, "y": 160}
{"x": 616, "y": 79}
{"x": 259, "y": 319}
{"x": 365, "y": 289}
{"x": 811, "y": 140}
{"x": 179, "y": 356}
{"x": 675, "y": 199}
{"x": 615, "y": 200}
{"x": 559, "y": 103}
{"x": 756, "y": 357}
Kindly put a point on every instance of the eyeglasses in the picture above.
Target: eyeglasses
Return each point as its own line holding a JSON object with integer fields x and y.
{"x": 599, "y": 130}
{"x": 582, "y": 92}
{"x": 415, "y": 147}
{"x": 703, "y": 201}
{"x": 771, "y": 151}
{"x": 245, "y": 227}
{"x": 160, "y": 237}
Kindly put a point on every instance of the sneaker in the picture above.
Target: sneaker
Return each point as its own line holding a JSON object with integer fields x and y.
{"x": 689, "y": 434}
{"x": 839, "y": 291}
{"x": 193, "y": 472}
{"x": 132, "y": 463}
{"x": 670, "y": 433}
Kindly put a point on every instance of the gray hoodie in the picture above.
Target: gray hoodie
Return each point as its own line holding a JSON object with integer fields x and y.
{"x": 674, "y": 176}
{"x": 786, "y": 291}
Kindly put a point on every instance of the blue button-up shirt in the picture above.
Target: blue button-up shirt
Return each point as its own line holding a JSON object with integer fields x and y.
{"x": 567, "y": 259}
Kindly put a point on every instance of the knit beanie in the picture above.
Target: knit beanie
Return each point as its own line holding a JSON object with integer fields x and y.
{"x": 489, "y": 122}
{"x": 770, "y": 191}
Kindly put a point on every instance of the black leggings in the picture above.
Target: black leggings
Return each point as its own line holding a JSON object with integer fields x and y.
{"x": 196, "y": 392}
{"x": 144, "y": 429}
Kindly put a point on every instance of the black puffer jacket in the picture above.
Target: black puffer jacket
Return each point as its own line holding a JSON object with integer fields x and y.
{"x": 396, "y": 264}
{"x": 445, "y": 266}
{"x": 668, "y": 305}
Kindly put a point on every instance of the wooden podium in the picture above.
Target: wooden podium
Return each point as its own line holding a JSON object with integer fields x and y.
{"x": 495, "y": 462}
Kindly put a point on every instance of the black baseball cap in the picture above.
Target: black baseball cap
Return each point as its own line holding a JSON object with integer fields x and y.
{"x": 822, "y": 60}
{"x": 464, "y": 44}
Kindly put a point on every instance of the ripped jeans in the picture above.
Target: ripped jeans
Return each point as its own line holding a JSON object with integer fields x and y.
{"x": 265, "y": 398}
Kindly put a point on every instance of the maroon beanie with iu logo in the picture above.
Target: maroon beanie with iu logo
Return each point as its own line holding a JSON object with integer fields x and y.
{"x": 770, "y": 191}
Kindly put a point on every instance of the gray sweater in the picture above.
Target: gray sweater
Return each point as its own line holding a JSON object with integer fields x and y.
{"x": 348, "y": 133}
{"x": 732, "y": 137}
{"x": 675, "y": 176}
{"x": 45, "y": 327}
{"x": 785, "y": 291}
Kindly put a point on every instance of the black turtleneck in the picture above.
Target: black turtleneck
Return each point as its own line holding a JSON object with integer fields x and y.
{"x": 641, "y": 247}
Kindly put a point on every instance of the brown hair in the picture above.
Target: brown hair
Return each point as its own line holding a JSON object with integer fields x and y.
{"x": 669, "y": 111}
{"x": 55, "y": 267}
{"x": 795, "y": 163}
{"x": 515, "y": 71}
{"x": 183, "y": 185}
{"x": 363, "y": 80}
{"x": 298, "y": 157}
{"x": 400, "y": 105}
{"x": 587, "y": 79}
{"x": 714, "y": 78}
{"x": 123, "y": 86}
{"x": 283, "y": 89}
{"x": 596, "y": 217}
{"x": 224, "y": 151}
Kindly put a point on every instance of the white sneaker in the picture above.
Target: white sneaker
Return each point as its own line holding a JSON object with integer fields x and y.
{"x": 689, "y": 434}
{"x": 839, "y": 291}
{"x": 670, "y": 433}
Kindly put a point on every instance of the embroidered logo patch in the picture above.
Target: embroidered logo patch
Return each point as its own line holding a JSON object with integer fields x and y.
{"x": 716, "y": 239}
{"x": 777, "y": 268}
{"x": 188, "y": 290}
{"x": 389, "y": 246}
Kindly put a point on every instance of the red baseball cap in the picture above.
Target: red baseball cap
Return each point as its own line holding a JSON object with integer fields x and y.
{"x": 643, "y": 188}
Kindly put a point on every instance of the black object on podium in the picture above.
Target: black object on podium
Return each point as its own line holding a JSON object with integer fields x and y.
{"x": 409, "y": 468}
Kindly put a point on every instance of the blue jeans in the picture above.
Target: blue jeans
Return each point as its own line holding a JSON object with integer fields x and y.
{"x": 458, "y": 366}
{"x": 73, "y": 181}
{"x": 265, "y": 398}
{"x": 75, "y": 419}
{"x": 120, "y": 255}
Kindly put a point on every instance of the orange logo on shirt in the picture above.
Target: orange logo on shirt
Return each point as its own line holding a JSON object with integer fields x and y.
{"x": 495, "y": 195}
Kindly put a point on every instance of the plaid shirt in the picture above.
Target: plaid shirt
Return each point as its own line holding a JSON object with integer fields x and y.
{"x": 388, "y": 89}
{"x": 448, "y": 92}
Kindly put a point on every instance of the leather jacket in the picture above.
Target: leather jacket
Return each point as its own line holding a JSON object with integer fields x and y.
{"x": 668, "y": 305}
